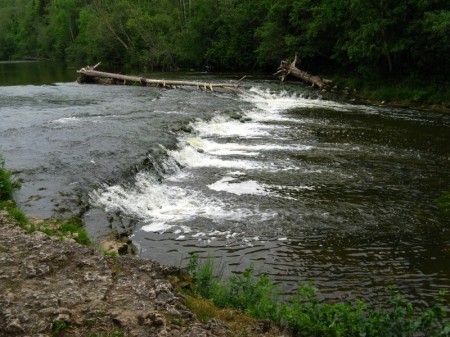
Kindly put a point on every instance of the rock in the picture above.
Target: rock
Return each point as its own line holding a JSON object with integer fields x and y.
{"x": 125, "y": 318}
{"x": 119, "y": 245}
{"x": 41, "y": 236}
{"x": 235, "y": 115}
{"x": 14, "y": 327}
{"x": 186, "y": 128}
{"x": 65, "y": 318}
{"x": 245, "y": 119}
{"x": 48, "y": 284}
{"x": 156, "y": 319}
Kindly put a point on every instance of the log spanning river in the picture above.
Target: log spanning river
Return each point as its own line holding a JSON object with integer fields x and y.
{"x": 304, "y": 187}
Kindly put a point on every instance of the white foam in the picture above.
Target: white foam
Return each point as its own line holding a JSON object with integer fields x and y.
{"x": 155, "y": 203}
{"x": 214, "y": 236}
{"x": 224, "y": 149}
{"x": 229, "y": 185}
{"x": 221, "y": 126}
{"x": 189, "y": 156}
{"x": 199, "y": 234}
{"x": 156, "y": 227}
{"x": 231, "y": 235}
{"x": 198, "y": 152}
{"x": 67, "y": 120}
{"x": 275, "y": 102}
{"x": 296, "y": 188}
{"x": 186, "y": 229}
{"x": 163, "y": 207}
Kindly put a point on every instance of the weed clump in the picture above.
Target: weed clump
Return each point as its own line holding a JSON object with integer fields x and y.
{"x": 71, "y": 228}
{"x": 7, "y": 184}
{"x": 7, "y": 187}
{"x": 305, "y": 315}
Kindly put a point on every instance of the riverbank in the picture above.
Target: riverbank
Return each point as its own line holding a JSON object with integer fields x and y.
{"x": 401, "y": 93}
{"x": 51, "y": 287}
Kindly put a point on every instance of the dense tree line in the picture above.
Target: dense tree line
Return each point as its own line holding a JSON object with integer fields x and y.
{"x": 386, "y": 37}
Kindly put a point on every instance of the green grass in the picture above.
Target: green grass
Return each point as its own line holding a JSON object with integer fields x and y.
{"x": 62, "y": 228}
{"x": 58, "y": 327}
{"x": 10, "y": 207}
{"x": 107, "y": 253}
{"x": 7, "y": 183}
{"x": 18, "y": 215}
{"x": 74, "y": 227}
{"x": 7, "y": 187}
{"x": 305, "y": 315}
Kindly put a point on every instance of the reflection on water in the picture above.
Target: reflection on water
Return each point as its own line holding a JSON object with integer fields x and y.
{"x": 303, "y": 187}
{"x": 35, "y": 72}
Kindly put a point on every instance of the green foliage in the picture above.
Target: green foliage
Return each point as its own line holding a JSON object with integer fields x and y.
{"x": 305, "y": 315}
{"x": 74, "y": 228}
{"x": 70, "y": 228}
{"x": 233, "y": 46}
{"x": 443, "y": 202}
{"x": 108, "y": 253}
{"x": 58, "y": 327}
{"x": 48, "y": 231}
{"x": 14, "y": 212}
{"x": 387, "y": 38}
{"x": 7, "y": 184}
{"x": 7, "y": 187}
{"x": 203, "y": 274}
{"x": 203, "y": 309}
{"x": 408, "y": 91}
{"x": 19, "y": 216}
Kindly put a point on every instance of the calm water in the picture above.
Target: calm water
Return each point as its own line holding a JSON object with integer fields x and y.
{"x": 302, "y": 186}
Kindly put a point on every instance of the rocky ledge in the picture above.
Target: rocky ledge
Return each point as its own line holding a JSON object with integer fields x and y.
{"x": 50, "y": 287}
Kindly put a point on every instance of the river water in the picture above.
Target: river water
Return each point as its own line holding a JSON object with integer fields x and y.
{"x": 303, "y": 187}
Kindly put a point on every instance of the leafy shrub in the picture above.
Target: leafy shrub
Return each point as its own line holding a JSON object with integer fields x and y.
{"x": 7, "y": 184}
{"x": 305, "y": 315}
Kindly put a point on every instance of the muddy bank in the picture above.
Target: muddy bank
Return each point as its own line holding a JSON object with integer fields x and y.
{"x": 53, "y": 288}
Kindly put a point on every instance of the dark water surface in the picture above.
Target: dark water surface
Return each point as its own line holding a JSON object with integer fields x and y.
{"x": 303, "y": 187}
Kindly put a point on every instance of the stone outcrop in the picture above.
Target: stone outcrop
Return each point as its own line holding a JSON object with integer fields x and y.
{"x": 53, "y": 288}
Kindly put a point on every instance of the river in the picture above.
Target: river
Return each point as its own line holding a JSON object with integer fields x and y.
{"x": 279, "y": 176}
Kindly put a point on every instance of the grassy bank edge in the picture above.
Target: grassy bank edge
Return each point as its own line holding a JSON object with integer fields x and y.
{"x": 405, "y": 92}
{"x": 65, "y": 229}
{"x": 304, "y": 314}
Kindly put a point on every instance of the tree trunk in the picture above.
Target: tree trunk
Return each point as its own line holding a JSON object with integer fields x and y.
{"x": 90, "y": 75}
{"x": 286, "y": 68}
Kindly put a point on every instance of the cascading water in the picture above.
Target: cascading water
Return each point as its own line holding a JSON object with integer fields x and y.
{"x": 304, "y": 188}
{"x": 265, "y": 189}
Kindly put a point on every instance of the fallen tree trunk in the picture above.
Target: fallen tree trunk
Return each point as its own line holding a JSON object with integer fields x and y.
{"x": 90, "y": 75}
{"x": 287, "y": 68}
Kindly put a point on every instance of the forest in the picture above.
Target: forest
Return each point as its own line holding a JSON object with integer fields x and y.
{"x": 384, "y": 39}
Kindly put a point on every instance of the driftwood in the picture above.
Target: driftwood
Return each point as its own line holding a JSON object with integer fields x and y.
{"x": 90, "y": 75}
{"x": 287, "y": 68}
